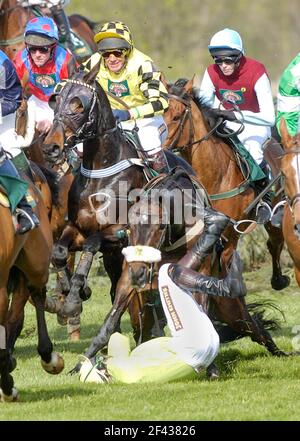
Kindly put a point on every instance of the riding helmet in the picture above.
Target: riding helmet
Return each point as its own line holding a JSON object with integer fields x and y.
{"x": 114, "y": 35}
{"x": 226, "y": 43}
{"x": 41, "y": 31}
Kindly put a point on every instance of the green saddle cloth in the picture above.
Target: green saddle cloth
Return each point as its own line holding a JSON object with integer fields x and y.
{"x": 255, "y": 171}
{"x": 16, "y": 188}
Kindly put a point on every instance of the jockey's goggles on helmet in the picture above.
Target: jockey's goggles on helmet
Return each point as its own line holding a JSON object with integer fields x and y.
{"x": 226, "y": 60}
{"x": 41, "y": 49}
{"x": 118, "y": 53}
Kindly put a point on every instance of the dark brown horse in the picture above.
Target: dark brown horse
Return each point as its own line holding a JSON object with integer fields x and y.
{"x": 151, "y": 225}
{"x": 290, "y": 168}
{"x": 24, "y": 267}
{"x": 13, "y": 18}
{"x": 99, "y": 197}
{"x": 217, "y": 168}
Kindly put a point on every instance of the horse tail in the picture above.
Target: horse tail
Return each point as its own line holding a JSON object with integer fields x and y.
{"x": 13, "y": 279}
{"x": 258, "y": 312}
{"x": 51, "y": 177}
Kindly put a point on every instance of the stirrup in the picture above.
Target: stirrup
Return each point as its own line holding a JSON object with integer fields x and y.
{"x": 263, "y": 204}
{"x": 277, "y": 214}
{"x": 33, "y": 224}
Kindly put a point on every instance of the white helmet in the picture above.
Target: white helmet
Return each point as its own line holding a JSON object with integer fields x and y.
{"x": 227, "y": 39}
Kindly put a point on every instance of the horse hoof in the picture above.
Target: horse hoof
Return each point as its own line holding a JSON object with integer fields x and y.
{"x": 74, "y": 335}
{"x": 280, "y": 353}
{"x": 280, "y": 282}
{"x": 14, "y": 396}
{"x": 212, "y": 373}
{"x": 55, "y": 366}
{"x": 76, "y": 369}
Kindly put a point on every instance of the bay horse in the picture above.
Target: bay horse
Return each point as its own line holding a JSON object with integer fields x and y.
{"x": 216, "y": 167}
{"x": 150, "y": 226}
{"x": 290, "y": 169}
{"x": 24, "y": 270}
{"x": 111, "y": 172}
{"x": 13, "y": 19}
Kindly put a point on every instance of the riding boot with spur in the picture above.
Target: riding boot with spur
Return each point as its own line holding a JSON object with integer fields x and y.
{"x": 158, "y": 162}
{"x": 231, "y": 286}
{"x": 64, "y": 29}
{"x": 264, "y": 207}
{"x": 214, "y": 225}
{"x": 27, "y": 219}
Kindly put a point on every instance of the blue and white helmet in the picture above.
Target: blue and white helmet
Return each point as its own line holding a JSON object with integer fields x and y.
{"x": 227, "y": 42}
{"x": 41, "y": 31}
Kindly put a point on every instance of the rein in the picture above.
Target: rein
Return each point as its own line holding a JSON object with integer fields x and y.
{"x": 187, "y": 116}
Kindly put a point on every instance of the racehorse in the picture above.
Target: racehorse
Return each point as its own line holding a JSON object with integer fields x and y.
{"x": 111, "y": 172}
{"x": 151, "y": 226}
{"x": 217, "y": 169}
{"x": 290, "y": 169}
{"x": 13, "y": 19}
{"x": 24, "y": 269}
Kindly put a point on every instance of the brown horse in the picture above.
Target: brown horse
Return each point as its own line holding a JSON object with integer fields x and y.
{"x": 13, "y": 18}
{"x": 111, "y": 171}
{"x": 217, "y": 169}
{"x": 290, "y": 168}
{"x": 24, "y": 269}
{"x": 152, "y": 225}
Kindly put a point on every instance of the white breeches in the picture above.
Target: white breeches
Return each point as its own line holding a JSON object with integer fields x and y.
{"x": 40, "y": 109}
{"x": 152, "y": 132}
{"x": 253, "y": 137}
{"x": 194, "y": 337}
{"x": 8, "y": 135}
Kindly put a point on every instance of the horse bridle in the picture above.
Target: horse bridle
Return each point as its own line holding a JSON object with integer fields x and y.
{"x": 187, "y": 116}
{"x": 89, "y": 129}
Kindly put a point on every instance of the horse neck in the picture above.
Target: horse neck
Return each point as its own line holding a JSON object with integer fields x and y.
{"x": 12, "y": 24}
{"x": 212, "y": 159}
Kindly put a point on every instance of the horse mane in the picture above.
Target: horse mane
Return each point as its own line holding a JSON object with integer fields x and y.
{"x": 49, "y": 176}
{"x": 177, "y": 89}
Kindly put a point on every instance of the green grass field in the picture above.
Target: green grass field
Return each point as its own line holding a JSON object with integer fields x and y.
{"x": 253, "y": 385}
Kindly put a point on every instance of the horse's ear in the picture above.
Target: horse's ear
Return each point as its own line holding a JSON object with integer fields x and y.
{"x": 286, "y": 138}
{"x": 91, "y": 75}
{"x": 189, "y": 85}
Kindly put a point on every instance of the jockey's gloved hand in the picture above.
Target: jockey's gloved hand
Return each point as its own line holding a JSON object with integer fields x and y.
{"x": 121, "y": 115}
{"x": 229, "y": 115}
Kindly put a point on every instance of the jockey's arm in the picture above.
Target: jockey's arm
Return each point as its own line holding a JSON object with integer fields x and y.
{"x": 11, "y": 89}
{"x": 153, "y": 89}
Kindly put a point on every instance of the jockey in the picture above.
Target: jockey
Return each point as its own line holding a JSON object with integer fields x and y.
{"x": 288, "y": 97}
{"x": 41, "y": 66}
{"x": 10, "y": 100}
{"x": 131, "y": 77}
{"x": 194, "y": 343}
{"x": 60, "y": 17}
{"x": 245, "y": 82}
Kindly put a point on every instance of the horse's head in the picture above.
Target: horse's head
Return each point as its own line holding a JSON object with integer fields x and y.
{"x": 290, "y": 168}
{"x": 178, "y": 116}
{"x": 147, "y": 228}
{"x": 81, "y": 112}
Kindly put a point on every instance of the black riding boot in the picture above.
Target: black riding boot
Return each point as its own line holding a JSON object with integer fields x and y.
{"x": 64, "y": 29}
{"x": 232, "y": 286}
{"x": 214, "y": 225}
{"x": 158, "y": 162}
{"x": 264, "y": 207}
{"x": 27, "y": 220}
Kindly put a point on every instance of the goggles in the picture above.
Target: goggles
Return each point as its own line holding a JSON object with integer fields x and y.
{"x": 116, "y": 53}
{"x": 226, "y": 60}
{"x": 41, "y": 49}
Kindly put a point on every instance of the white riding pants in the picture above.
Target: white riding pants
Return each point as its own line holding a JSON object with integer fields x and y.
{"x": 8, "y": 135}
{"x": 253, "y": 137}
{"x": 194, "y": 337}
{"x": 152, "y": 132}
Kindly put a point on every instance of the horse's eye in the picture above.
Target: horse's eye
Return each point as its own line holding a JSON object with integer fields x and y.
{"x": 177, "y": 118}
{"x": 76, "y": 105}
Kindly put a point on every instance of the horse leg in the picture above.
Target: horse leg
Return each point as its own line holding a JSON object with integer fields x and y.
{"x": 113, "y": 265}
{"x": 235, "y": 313}
{"x": 79, "y": 290}
{"x": 123, "y": 296}
{"x": 52, "y": 362}
{"x": 7, "y": 391}
{"x": 275, "y": 245}
{"x": 16, "y": 313}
